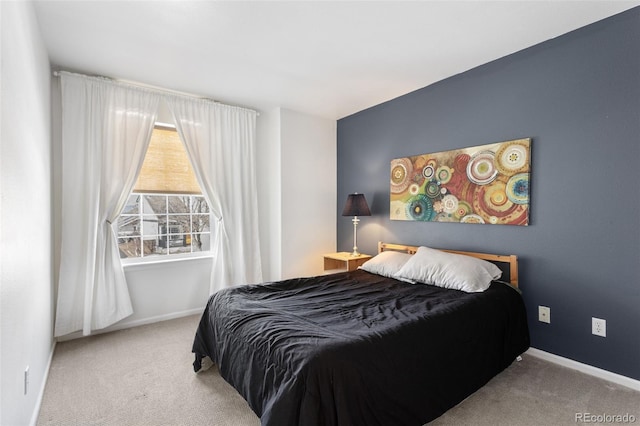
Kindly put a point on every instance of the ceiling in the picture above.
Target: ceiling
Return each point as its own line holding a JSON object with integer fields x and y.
{"x": 329, "y": 59}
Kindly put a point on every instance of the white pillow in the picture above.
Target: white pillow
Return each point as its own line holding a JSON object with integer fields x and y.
{"x": 387, "y": 263}
{"x": 449, "y": 270}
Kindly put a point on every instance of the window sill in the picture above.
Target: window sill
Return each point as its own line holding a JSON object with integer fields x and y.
{"x": 151, "y": 261}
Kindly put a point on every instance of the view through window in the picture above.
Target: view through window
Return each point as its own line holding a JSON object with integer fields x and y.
{"x": 166, "y": 213}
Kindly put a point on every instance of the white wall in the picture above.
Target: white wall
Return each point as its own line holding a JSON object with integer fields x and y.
{"x": 26, "y": 289}
{"x": 308, "y": 192}
{"x": 167, "y": 290}
{"x": 297, "y": 174}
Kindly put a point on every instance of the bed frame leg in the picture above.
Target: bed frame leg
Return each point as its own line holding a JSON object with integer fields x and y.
{"x": 197, "y": 364}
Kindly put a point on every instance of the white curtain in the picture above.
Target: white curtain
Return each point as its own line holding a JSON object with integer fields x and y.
{"x": 106, "y": 128}
{"x": 220, "y": 142}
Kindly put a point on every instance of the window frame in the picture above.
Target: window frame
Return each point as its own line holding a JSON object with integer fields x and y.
{"x": 140, "y": 215}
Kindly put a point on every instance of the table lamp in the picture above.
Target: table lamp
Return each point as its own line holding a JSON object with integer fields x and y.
{"x": 356, "y": 206}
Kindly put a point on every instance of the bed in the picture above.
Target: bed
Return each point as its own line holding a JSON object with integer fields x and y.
{"x": 374, "y": 346}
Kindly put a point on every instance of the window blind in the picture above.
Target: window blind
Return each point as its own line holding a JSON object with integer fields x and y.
{"x": 166, "y": 168}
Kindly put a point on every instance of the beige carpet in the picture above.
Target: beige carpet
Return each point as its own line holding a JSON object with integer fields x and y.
{"x": 143, "y": 376}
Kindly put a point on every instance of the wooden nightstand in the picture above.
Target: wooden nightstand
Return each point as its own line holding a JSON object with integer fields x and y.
{"x": 343, "y": 261}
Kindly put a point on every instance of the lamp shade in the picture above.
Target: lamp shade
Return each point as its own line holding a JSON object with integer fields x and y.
{"x": 356, "y": 206}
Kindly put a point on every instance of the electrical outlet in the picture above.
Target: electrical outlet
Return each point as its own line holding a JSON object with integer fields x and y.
{"x": 599, "y": 327}
{"x": 26, "y": 380}
{"x": 544, "y": 314}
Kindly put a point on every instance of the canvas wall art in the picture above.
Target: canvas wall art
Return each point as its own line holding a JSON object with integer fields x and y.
{"x": 486, "y": 184}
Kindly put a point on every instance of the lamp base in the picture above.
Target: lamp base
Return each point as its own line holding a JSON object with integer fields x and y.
{"x": 355, "y": 221}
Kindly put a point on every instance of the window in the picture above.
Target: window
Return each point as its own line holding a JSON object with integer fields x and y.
{"x": 166, "y": 213}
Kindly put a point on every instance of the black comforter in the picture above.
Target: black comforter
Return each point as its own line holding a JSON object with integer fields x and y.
{"x": 356, "y": 348}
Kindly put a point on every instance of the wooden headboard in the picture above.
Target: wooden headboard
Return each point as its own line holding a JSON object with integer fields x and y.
{"x": 501, "y": 260}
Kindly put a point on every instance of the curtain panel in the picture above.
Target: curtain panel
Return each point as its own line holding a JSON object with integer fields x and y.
{"x": 106, "y": 128}
{"x": 220, "y": 142}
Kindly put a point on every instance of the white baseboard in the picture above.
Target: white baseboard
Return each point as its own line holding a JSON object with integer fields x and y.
{"x": 130, "y": 324}
{"x": 36, "y": 409}
{"x": 584, "y": 368}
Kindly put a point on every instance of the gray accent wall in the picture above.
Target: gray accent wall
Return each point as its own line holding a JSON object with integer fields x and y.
{"x": 578, "y": 97}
